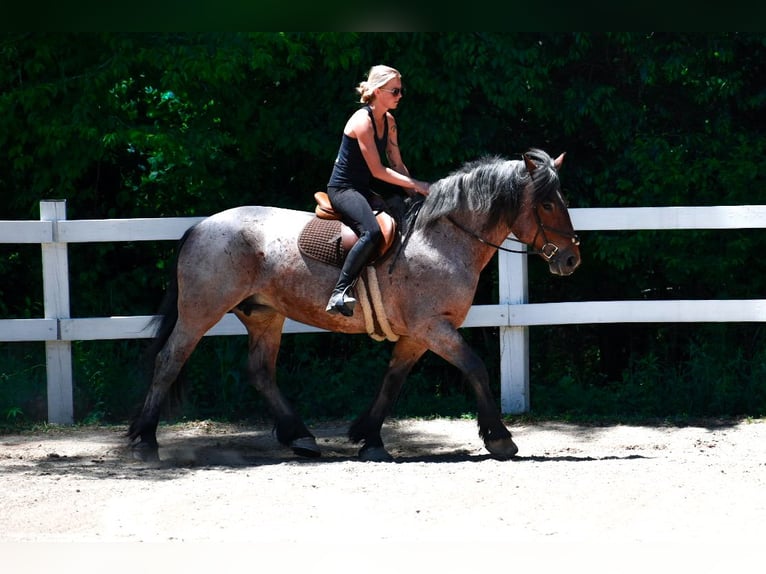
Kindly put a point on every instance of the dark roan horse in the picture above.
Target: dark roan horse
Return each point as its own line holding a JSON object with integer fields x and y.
{"x": 247, "y": 260}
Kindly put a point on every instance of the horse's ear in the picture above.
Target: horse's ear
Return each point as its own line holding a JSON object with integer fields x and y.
{"x": 530, "y": 164}
{"x": 558, "y": 162}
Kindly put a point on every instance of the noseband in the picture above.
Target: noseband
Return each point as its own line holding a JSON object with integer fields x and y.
{"x": 548, "y": 251}
{"x": 551, "y": 251}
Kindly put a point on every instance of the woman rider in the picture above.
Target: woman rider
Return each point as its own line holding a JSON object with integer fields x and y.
{"x": 369, "y": 134}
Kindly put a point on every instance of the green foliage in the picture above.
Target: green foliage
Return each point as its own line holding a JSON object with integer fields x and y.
{"x": 689, "y": 373}
{"x": 173, "y": 124}
{"x": 109, "y": 380}
{"x": 22, "y": 384}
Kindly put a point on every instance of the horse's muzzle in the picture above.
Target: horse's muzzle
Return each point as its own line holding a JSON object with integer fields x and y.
{"x": 565, "y": 261}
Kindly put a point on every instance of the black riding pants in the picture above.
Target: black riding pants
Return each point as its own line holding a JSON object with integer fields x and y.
{"x": 356, "y": 211}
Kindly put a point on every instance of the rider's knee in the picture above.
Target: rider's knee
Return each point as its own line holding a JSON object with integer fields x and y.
{"x": 375, "y": 236}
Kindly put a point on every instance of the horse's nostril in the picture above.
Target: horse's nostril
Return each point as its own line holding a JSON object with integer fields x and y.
{"x": 571, "y": 261}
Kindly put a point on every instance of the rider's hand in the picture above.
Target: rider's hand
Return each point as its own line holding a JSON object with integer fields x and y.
{"x": 422, "y": 187}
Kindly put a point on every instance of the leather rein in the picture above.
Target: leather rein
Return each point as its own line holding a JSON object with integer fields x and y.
{"x": 548, "y": 251}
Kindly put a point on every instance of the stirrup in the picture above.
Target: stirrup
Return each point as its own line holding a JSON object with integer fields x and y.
{"x": 341, "y": 302}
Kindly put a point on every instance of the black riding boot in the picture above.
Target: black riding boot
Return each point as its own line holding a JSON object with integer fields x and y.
{"x": 341, "y": 301}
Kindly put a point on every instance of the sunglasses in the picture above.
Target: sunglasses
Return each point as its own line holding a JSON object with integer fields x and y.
{"x": 395, "y": 92}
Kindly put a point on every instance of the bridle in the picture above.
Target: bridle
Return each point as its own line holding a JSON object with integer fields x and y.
{"x": 548, "y": 251}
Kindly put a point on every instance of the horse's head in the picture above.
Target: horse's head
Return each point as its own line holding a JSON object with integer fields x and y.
{"x": 543, "y": 221}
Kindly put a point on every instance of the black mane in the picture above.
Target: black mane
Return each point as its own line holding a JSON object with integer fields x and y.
{"x": 491, "y": 185}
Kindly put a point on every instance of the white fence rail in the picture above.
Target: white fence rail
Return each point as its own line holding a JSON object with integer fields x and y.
{"x": 513, "y": 315}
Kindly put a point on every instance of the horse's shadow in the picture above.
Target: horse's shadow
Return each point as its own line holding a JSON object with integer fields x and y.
{"x": 190, "y": 457}
{"x": 451, "y": 458}
{"x": 181, "y": 453}
{"x": 261, "y": 449}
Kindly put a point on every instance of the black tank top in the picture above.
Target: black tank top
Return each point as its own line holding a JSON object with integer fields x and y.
{"x": 350, "y": 169}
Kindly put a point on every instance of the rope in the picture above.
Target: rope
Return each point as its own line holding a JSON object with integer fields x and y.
{"x": 372, "y": 307}
{"x": 377, "y": 303}
{"x": 364, "y": 303}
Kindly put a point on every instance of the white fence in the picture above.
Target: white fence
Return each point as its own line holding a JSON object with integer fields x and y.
{"x": 513, "y": 314}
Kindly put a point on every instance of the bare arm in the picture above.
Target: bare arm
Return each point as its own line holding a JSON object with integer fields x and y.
{"x": 360, "y": 126}
{"x": 392, "y": 150}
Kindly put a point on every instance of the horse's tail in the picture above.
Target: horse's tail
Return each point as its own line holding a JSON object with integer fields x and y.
{"x": 167, "y": 315}
{"x": 162, "y": 325}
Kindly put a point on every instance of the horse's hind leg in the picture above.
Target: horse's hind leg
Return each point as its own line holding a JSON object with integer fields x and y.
{"x": 367, "y": 427}
{"x": 167, "y": 365}
{"x": 264, "y": 328}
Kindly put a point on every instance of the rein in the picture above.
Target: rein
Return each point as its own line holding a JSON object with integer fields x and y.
{"x": 548, "y": 250}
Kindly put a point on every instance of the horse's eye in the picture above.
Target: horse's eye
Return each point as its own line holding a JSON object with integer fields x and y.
{"x": 547, "y": 206}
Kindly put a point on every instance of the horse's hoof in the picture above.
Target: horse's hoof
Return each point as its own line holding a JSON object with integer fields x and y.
{"x": 374, "y": 454}
{"x": 306, "y": 446}
{"x": 145, "y": 452}
{"x": 502, "y": 448}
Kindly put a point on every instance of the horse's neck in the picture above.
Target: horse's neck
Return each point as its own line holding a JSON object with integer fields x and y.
{"x": 463, "y": 245}
{"x": 495, "y": 236}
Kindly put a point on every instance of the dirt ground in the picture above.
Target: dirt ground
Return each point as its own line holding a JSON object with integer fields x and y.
{"x": 698, "y": 492}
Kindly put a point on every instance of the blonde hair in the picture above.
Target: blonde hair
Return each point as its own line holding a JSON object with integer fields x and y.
{"x": 378, "y": 76}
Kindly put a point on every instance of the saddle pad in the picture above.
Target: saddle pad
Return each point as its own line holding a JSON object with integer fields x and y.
{"x": 321, "y": 240}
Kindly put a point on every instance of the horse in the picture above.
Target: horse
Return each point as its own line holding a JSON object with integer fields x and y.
{"x": 246, "y": 260}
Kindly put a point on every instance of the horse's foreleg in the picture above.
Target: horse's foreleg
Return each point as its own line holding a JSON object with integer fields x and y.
{"x": 264, "y": 328}
{"x": 450, "y": 345}
{"x": 366, "y": 428}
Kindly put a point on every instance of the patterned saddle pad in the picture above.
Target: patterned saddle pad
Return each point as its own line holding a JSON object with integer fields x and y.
{"x": 321, "y": 240}
{"x": 327, "y": 241}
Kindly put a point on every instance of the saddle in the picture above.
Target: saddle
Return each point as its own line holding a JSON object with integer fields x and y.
{"x": 327, "y": 239}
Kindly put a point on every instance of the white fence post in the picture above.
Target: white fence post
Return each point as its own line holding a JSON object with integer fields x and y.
{"x": 514, "y": 341}
{"x": 58, "y": 354}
